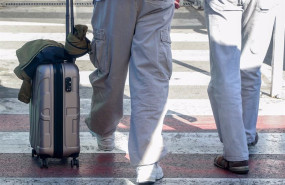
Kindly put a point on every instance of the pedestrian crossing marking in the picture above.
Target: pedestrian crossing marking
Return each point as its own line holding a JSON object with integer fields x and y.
{"x": 268, "y": 106}
{"x": 180, "y": 55}
{"x": 20, "y": 23}
{"x": 176, "y": 143}
{"x": 60, "y": 37}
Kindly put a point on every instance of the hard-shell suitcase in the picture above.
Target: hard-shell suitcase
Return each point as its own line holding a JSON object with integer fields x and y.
{"x": 55, "y": 112}
{"x": 55, "y": 108}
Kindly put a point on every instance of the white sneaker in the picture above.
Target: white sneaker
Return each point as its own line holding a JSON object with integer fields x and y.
{"x": 149, "y": 173}
{"x": 106, "y": 143}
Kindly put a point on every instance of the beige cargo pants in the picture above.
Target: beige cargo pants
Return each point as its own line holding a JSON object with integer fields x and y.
{"x": 239, "y": 36}
{"x": 132, "y": 34}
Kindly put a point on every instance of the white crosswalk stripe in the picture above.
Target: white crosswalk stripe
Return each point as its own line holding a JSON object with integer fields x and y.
{"x": 175, "y": 106}
{"x": 181, "y": 55}
{"x": 60, "y": 37}
{"x": 15, "y": 23}
{"x": 176, "y": 143}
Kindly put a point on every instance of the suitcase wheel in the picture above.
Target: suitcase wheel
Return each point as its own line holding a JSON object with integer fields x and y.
{"x": 74, "y": 162}
{"x": 34, "y": 153}
{"x": 44, "y": 163}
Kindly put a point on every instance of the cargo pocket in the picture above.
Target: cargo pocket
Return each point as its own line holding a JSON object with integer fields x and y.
{"x": 92, "y": 54}
{"x": 165, "y": 56}
{"x": 224, "y": 5}
{"x": 265, "y": 5}
{"x": 98, "y": 52}
{"x": 264, "y": 21}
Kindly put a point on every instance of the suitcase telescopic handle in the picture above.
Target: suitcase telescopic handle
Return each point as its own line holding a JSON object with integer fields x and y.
{"x": 69, "y": 17}
{"x": 69, "y": 21}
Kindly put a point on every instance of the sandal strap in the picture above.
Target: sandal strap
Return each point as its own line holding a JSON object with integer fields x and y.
{"x": 221, "y": 161}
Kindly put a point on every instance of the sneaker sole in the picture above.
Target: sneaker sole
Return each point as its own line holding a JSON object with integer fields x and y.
{"x": 149, "y": 182}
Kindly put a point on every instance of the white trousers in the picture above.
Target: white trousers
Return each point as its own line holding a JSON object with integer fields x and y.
{"x": 134, "y": 33}
{"x": 239, "y": 36}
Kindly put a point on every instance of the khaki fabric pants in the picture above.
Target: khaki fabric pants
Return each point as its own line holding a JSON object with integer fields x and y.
{"x": 132, "y": 34}
{"x": 239, "y": 36}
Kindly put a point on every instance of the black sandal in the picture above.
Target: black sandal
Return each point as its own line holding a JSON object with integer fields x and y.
{"x": 239, "y": 167}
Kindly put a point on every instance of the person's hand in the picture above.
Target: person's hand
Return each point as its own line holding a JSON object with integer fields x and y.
{"x": 177, "y": 4}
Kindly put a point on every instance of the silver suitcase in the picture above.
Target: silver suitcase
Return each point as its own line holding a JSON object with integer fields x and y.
{"x": 55, "y": 113}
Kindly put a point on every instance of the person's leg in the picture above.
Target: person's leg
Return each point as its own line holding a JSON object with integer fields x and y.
{"x": 113, "y": 25}
{"x": 258, "y": 23}
{"x": 150, "y": 71}
{"x": 224, "y": 29}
